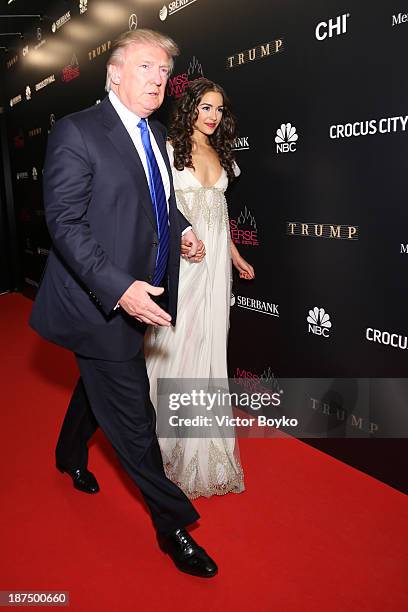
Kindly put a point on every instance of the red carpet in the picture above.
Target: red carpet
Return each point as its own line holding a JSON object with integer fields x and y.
{"x": 309, "y": 533}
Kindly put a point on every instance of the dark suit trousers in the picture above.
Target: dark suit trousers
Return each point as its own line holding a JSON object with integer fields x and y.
{"x": 115, "y": 396}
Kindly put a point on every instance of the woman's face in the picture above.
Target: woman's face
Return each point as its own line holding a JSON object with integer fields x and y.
{"x": 210, "y": 109}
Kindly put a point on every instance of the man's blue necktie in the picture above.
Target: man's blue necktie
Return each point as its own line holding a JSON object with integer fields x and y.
{"x": 159, "y": 204}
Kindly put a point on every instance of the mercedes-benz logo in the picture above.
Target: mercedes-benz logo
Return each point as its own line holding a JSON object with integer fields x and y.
{"x": 133, "y": 21}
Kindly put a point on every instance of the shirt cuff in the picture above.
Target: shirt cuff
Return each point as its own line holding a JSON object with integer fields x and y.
{"x": 186, "y": 230}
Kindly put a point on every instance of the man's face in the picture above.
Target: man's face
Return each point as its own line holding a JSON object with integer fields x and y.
{"x": 142, "y": 78}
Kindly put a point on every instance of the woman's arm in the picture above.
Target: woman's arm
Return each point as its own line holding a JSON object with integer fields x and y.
{"x": 244, "y": 268}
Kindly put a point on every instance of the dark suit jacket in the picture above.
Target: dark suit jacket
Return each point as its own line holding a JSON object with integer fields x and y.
{"x": 101, "y": 221}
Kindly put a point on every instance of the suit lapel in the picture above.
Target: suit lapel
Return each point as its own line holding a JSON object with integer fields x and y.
{"x": 123, "y": 144}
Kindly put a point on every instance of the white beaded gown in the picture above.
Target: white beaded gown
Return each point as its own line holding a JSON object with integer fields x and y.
{"x": 197, "y": 346}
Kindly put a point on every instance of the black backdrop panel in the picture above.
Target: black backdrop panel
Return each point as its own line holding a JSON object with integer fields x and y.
{"x": 320, "y": 95}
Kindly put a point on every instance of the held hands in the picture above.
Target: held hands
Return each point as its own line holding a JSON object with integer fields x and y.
{"x": 137, "y": 303}
{"x": 200, "y": 254}
{"x": 192, "y": 248}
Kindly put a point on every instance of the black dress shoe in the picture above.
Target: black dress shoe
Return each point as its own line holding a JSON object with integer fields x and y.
{"x": 82, "y": 479}
{"x": 187, "y": 555}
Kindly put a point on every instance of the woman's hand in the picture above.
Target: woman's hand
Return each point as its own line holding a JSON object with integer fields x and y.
{"x": 199, "y": 256}
{"x": 244, "y": 268}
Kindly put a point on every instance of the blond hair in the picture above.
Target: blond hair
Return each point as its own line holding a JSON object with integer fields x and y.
{"x": 139, "y": 37}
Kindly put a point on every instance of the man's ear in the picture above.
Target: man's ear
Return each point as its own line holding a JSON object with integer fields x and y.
{"x": 115, "y": 75}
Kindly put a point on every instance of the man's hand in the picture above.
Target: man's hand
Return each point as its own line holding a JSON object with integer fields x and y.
{"x": 190, "y": 240}
{"x": 199, "y": 256}
{"x": 137, "y": 303}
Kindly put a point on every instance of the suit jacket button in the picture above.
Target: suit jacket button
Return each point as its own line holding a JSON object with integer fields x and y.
{"x": 150, "y": 277}
{"x": 155, "y": 243}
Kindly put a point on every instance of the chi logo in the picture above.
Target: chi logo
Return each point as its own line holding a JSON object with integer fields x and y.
{"x": 332, "y": 27}
{"x": 133, "y": 21}
{"x": 286, "y": 138}
{"x": 163, "y": 13}
{"x": 28, "y": 92}
{"x": 319, "y": 322}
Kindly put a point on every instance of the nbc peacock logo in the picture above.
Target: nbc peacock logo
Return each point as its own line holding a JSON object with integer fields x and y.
{"x": 163, "y": 13}
{"x": 286, "y": 138}
{"x": 319, "y": 322}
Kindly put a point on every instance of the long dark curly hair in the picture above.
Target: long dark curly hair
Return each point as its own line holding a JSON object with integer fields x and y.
{"x": 182, "y": 127}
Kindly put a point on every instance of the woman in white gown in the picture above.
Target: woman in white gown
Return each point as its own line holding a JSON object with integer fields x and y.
{"x": 202, "y": 135}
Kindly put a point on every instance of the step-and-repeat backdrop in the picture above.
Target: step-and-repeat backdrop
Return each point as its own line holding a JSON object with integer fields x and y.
{"x": 320, "y": 210}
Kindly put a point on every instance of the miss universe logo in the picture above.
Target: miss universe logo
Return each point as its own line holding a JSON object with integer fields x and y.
{"x": 244, "y": 229}
{"x": 177, "y": 85}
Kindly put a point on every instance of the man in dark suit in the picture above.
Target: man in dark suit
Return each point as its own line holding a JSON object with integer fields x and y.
{"x": 116, "y": 233}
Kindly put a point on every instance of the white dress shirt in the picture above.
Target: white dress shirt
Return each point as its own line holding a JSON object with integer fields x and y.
{"x": 130, "y": 121}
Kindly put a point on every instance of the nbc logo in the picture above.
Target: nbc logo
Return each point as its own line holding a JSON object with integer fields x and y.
{"x": 319, "y": 322}
{"x": 163, "y": 13}
{"x": 286, "y": 138}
